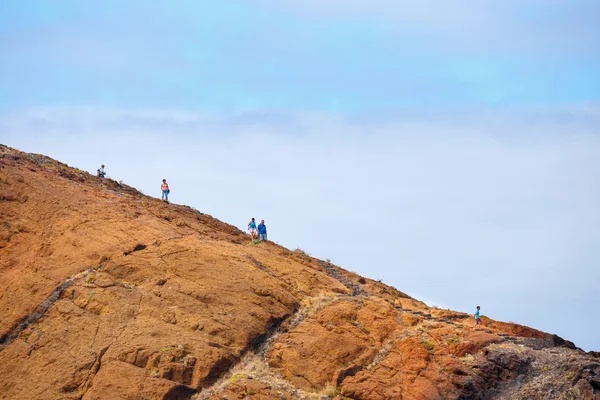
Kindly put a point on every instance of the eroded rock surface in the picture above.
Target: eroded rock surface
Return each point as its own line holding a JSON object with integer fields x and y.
{"x": 110, "y": 294}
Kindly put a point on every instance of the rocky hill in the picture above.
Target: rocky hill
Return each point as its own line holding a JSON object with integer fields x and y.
{"x": 110, "y": 294}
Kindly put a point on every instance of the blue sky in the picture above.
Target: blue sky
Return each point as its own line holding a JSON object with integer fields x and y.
{"x": 448, "y": 148}
{"x": 235, "y": 54}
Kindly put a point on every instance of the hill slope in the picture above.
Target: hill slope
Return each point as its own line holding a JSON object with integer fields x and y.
{"x": 110, "y": 294}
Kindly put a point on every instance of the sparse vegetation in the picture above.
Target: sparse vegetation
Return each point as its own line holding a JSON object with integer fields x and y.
{"x": 327, "y": 392}
{"x": 301, "y": 252}
{"x": 311, "y": 305}
{"x": 250, "y": 366}
{"x": 453, "y": 339}
{"x": 235, "y": 377}
{"x": 428, "y": 345}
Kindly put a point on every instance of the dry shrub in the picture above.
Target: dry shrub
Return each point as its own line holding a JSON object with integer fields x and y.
{"x": 310, "y": 305}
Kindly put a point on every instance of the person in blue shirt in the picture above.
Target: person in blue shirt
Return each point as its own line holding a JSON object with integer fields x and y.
{"x": 477, "y": 317}
{"x": 262, "y": 231}
{"x": 252, "y": 229}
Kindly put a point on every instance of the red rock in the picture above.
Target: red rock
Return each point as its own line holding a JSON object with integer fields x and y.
{"x": 111, "y": 294}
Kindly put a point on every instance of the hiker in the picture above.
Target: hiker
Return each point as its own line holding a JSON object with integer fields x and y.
{"x": 252, "y": 229}
{"x": 101, "y": 173}
{"x": 165, "y": 191}
{"x": 262, "y": 230}
{"x": 477, "y": 317}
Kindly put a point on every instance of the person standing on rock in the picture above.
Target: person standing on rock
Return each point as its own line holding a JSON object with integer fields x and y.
{"x": 262, "y": 231}
{"x": 165, "y": 191}
{"x": 101, "y": 173}
{"x": 252, "y": 229}
{"x": 477, "y": 317}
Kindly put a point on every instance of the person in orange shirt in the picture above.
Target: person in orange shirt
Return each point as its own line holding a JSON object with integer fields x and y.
{"x": 165, "y": 191}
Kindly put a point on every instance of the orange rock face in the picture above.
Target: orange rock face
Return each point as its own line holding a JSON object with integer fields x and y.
{"x": 110, "y": 294}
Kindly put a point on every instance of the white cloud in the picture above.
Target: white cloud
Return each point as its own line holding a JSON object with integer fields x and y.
{"x": 494, "y": 208}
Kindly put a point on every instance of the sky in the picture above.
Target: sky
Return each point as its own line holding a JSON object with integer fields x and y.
{"x": 450, "y": 149}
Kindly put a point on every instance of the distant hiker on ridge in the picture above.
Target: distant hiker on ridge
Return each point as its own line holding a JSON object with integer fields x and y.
{"x": 252, "y": 229}
{"x": 262, "y": 231}
{"x": 477, "y": 317}
{"x": 165, "y": 191}
{"x": 101, "y": 173}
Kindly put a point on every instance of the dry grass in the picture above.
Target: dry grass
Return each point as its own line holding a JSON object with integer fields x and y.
{"x": 310, "y": 305}
{"x": 327, "y": 392}
{"x": 250, "y": 366}
{"x": 255, "y": 367}
{"x": 298, "y": 250}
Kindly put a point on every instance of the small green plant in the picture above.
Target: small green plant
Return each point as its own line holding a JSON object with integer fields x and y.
{"x": 428, "y": 345}
{"x": 255, "y": 241}
{"x": 236, "y": 377}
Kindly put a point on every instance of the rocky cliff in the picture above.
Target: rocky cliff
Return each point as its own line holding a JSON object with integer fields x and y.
{"x": 110, "y": 294}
